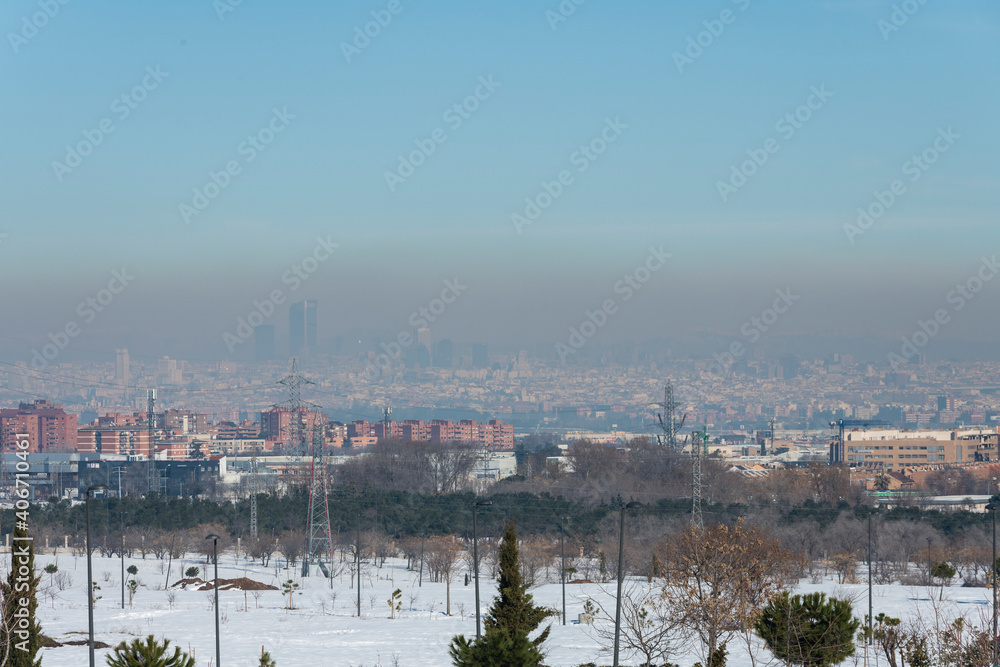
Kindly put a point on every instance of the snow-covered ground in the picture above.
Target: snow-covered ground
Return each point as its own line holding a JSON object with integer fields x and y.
{"x": 324, "y": 629}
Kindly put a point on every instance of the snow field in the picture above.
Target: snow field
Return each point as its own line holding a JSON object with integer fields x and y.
{"x": 324, "y": 629}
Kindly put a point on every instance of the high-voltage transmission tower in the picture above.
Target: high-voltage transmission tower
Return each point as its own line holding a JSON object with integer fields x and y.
{"x": 319, "y": 539}
{"x": 254, "y": 489}
{"x": 699, "y": 443}
{"x": 669, "y": 422}
{"x": 152, "y": 477}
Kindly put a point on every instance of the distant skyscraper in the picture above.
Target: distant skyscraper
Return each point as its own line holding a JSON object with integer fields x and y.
{"x": 263, "y": 342}
{"x": 302, "y": 327}
{"x": 479, "y": 357}
{"x": 443, "y": 353}
{"x": 168, "y": 371}
{"x": 121, "y": 367}
{"x": 424, "y": 337}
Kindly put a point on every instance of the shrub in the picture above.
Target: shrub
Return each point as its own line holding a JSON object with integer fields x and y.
{"x": 148, "y": 653}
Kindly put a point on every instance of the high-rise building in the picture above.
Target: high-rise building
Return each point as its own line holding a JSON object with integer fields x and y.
{"x": 263, "y": 342}
{"x": 48, "y": 427}
{"x": 480, "y": 359}
{"x": 424, "y": 338}
{"x": 121, "y": 367}
{"x": 168, "y": 371}
{"x": 290, "y": 427}
{"x": 302, "y": 327}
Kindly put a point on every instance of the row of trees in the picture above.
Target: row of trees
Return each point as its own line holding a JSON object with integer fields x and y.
{"x": 717, "y": 584}
{"x": 829, "y": 538}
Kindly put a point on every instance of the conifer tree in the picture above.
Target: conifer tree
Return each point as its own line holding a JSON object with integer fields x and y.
{"x": 149, "y": 653}
{"x": 510, "y": 621}
{"x": 20, "y": 634}
{"x": 810, "y": 630}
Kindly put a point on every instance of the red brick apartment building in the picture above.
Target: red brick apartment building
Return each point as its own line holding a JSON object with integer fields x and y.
{"x": 279, "y": 424}
{"x": 493, "y": 434}
{"x": 48, "y": 426}
{"x": 130, "y": 440}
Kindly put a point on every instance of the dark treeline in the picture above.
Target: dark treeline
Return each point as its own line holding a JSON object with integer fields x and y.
{"x": 816, "y": 529}
{"x": 399, "y": 492}
{"x": 396, "y": 513}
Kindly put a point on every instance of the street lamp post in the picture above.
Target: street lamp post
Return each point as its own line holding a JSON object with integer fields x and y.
{"x": 992, "y": 507}
{"x": 122, "y": 522}
{"x": 420, "y": 582}
{"x": 357, "y": 563}
{"x": 929, "y": 565}
{"x": 621, "y": 577}
{"x": 475, "y": 556}
{"x": 215, "y": 557}
{"x": 90, "y": 574}
{"x": 869, "y": 577}
{"x": 562, "y": 553}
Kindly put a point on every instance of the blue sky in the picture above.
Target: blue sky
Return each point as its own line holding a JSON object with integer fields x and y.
{"x": 656, "y": 184}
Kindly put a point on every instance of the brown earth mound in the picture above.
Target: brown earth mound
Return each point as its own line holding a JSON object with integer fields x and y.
{"x": 52, "y": 643}
{"x": 239, "y": 584}
{"x": 580, "y": 581}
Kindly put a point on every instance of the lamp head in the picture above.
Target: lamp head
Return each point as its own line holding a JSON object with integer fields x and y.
{"x": 96, "y": 487}
{"x": 213, "y": 537}
{"x": 484, "y": 503}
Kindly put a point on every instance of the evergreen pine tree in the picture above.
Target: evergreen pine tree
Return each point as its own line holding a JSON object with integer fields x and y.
{"x": 20, "y": 650}
{"x": 149, "y": 653}
{"x": 265, "y": 659}
{"x": 509, "y": 622}
{"x": 810, "y": 630}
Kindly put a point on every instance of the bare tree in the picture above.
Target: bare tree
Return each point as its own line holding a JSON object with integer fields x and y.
{"x": 719, "y": 578}
{"x": 442, "y": 557}
{"x": 290, "y": 545}
{"x": 647, "y": 626}
{"x": 260, "y": 548}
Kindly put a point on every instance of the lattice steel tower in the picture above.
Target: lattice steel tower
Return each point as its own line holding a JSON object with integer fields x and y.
{"x": 668, "y": 420}
{"x": 153, "y": 479}
{"x": 699, "y": 443}
{"x": 253, "y": 493}
{"x": 319, "y": 539}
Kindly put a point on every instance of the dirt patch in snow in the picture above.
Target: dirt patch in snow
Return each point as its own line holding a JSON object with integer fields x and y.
{"x": 238, "y": 584}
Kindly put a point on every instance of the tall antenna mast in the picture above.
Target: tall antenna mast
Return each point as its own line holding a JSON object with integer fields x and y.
{"x": 763, "y": 449}
{"x": 386, "y": 421}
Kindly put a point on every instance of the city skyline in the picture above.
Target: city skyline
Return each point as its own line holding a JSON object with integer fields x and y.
{"x": 840, "y": 151}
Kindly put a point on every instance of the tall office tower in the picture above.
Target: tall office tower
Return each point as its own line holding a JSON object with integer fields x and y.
{"x": 168, "y": 371}
{"x": 121, "y": 367}
{"x": 479, "y": 357}
{"x": 443, "y": 352}
{"x": 263, "y": 342}
{"x": 302, "y": 327}
{"x": 424, "y": 338}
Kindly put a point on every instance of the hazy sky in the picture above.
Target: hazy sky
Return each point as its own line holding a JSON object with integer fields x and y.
{"x": 670, "y": 98}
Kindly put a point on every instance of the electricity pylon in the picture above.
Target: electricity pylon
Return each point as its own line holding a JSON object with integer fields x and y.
{"x": 668, "y": 420}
